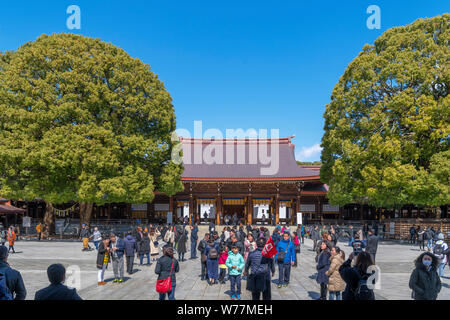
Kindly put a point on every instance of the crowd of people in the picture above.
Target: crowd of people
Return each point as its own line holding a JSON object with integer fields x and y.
{"x": 239, "y": 252}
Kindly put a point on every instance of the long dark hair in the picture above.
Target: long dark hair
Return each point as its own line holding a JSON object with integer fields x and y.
{"x": 363, "y": 261}
{"x": 434, "y": 261}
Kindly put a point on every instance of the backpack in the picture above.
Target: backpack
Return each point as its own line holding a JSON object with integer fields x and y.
{"x": 261, "y": 234}
{"x": 438, "y": 249}
{"x": 362, "y": 291}
{"x": 213, "y": 254}
{"x": 5, "y": 293}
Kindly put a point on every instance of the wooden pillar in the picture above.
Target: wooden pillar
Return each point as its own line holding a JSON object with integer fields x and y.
{"x": 191, "y": 208}
{"x": 249, "y": 209}
{"x": 277, "y": 209}
{"x": 218, "y": 209}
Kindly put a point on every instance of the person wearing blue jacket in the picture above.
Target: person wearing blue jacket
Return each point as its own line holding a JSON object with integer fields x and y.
{"x": 194, "y": 239}
{"x": 284, "y": 266}
{"x": 117, "y": 246}
{"x": 235, "y": 263}
{"x": 130, "y": 249}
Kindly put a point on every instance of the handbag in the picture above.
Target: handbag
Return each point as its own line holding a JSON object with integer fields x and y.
{"x": 282, "y": 254}
{"x": 165, "y": 285}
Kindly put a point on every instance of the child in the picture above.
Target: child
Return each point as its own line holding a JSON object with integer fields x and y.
{"x": 235, "y": 263}
{"x": 222, "y": 266}
{"x": 297, "y": 247}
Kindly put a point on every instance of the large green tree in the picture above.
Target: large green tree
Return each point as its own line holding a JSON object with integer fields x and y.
{"x": 387, "y": 129}
{"x": 81, "y": 120}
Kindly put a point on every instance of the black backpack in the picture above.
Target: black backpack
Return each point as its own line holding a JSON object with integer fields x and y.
{"x": 438, "y": 249}
{"x": 213, "y": 254}
{"x": 362, "y": 291}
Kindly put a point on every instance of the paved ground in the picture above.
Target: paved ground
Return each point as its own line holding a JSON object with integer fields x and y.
{"x": 33, "y": 258}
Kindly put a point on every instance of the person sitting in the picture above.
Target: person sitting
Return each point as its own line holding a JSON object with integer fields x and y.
{"x": 57, "y": 290}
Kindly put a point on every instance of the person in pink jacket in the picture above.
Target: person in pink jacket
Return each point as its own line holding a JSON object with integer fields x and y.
{"x": 249, "y": 245}
{"x": 222, "y": 266}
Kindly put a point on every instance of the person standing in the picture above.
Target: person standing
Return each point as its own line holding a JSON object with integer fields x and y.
{"x": 222, "y": 263}
{"x": 3, "y": 235}
{"x": 56, "y": 290}
{"x": 212, "y": 262}
{"x": 259, "y": 280}
{"x": 428, "y": 237}
{"x": 412, "y": 235}
{"x": 154, "y": 250}
{"x": 297, "y": 247}
{"x": 249, "y": 245}
{"x": 439, "y": 251}
{"x": 355, "y": 276}
{"x": 169, "y": 237}
{"x": 335, "y": 282}
{"x": 144, "y": 249}
{"x": 315, "y": 236}
{"x": 351, "y": 236}
{"x": 39, "y": 231}
{"x": 103, "y": 258}
{"x": 117, "y": 251}
{"x": 202, "y": 247}
{"x": 166, "y": 267}
{"x": 372, "y": 244}
{"x": 85, "y": 235}
{"x": 15, "y": 288}
{"x": 285, "y": 258}
{"x": 97, "y": 237}
{"x": 11, "y": 237}
{"x": 130, "y": 250}
{"x": 181, "y": 248}
{"x": 194, "y": 239}
{"x": 424, "y": 281}
{"x": 323, "y": 264}
{"x": 420, "y": 238}
{"x": 235, "y": 263}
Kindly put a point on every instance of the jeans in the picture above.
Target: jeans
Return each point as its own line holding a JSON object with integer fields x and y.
{"x": 284, "y": 270}
{"x": 351, "y": 242}
{"x": 96, "y": 244}
{"x": 130, "y": 262}
{"x": 193, "y": 249}
{"x": 181, "y": 256}
{"x": 170, "y": 294}
{"x": 141, "y": 258}
{"x": 429, "y": 244}
{"x": 441, "y": 269}
{"x": 11, "y": 247}
{"x": 333, "y": 293}
{"x": 235, "y": 281}
{"x": 421, "y": 245}
{"x": 118, "y": 267}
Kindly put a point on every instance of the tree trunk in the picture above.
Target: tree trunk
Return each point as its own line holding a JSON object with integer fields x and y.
{"x": 49, "y": 220}
{"x": 86, "y": 212}
{"x": 438, "y": 212}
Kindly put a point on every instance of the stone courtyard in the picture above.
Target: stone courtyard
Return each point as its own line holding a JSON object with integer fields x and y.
{"x": 395, "y": 261}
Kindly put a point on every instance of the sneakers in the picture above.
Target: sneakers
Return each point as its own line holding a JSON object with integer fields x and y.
{"x": 102, "y": 283}
{"x": 233, "y": 297}
{"x": 285, "y": 285}
{"x": 279, "y": 286}
{"x": 120, "y": 280}
{"x": 116, "y": 280}
{"x": 238, "y": 297}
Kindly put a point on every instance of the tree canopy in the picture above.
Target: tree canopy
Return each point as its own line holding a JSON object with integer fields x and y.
{"x": 81, "y": 120}
{"x": 386, "y": 138}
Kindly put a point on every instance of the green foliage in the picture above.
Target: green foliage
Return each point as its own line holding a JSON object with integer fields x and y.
{"x": 314, "y": 163}
{"x": 386, "y": 138}
{"x": 81, "y": 120}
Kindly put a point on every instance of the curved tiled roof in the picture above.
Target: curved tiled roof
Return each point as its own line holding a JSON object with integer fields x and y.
{"x": 242, "y": 159}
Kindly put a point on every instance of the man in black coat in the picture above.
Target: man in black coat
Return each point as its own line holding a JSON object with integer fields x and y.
{"x": 14, "y": 280}
{"x": 194, "y": 239}
{"x": 372, "y": 244}
{"x": 56, "y": 290}
{"x": 201, "y": 247}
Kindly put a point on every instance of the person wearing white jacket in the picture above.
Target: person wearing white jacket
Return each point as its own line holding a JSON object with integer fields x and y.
{"x": 439, "y": 251}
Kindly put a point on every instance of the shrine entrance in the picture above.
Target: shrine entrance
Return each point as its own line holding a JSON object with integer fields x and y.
{"x": 232, "y": 207}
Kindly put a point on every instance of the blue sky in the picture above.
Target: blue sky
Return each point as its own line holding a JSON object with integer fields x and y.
{"x": 231, "y": 64}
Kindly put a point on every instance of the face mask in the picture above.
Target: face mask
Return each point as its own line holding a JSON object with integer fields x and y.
{"x": 427, "y": 263}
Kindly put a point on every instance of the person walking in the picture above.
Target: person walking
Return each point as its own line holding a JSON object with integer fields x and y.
{"x": 144, "y": 249}
{"x": 372, "y": 244}
{"x": 153, "y": 235}
{"x": 235, "y": 263}
{"x": 97, "y": 237}
{"x": 117, "y": 251}
{"x": 15, "y": 288}
{"x": 285, "y": 258}
{"x": 356, "y": 277}
{"x": 57, "y": 290}
{"x": 335, "y": 282}
{"x": 194, "y": 239}
{"x": 315, "y": 236}
{"x": 323, "y": 264}
{"x": 412, "y": 235}
{"x": 181, "y": 246}
{"x": 440, "y": 251}
{"x": 222, "y": 263}
{"x": 85, "y": 236}
{"x": 39, "y": 231}
{"x": 202, "y": 247}
{"x": 167, "y": 266}
{"x": 297, "y": 247}
{"x": 11, "y": 237}
{"x": 103, "y": 259}
{"x": 302, "y": 233}
{"x": 130, "y": 251}
{"x": 357, "y": 245}
{"x": 424, "y": 281}
{"x": 351, "y": 235}
{"x": 261, "y": 267}
{"x": 428, "y": 237}
{"x": 212, "y": 262}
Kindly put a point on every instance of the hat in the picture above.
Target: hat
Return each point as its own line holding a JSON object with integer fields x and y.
{"x": 441, "y": 236}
